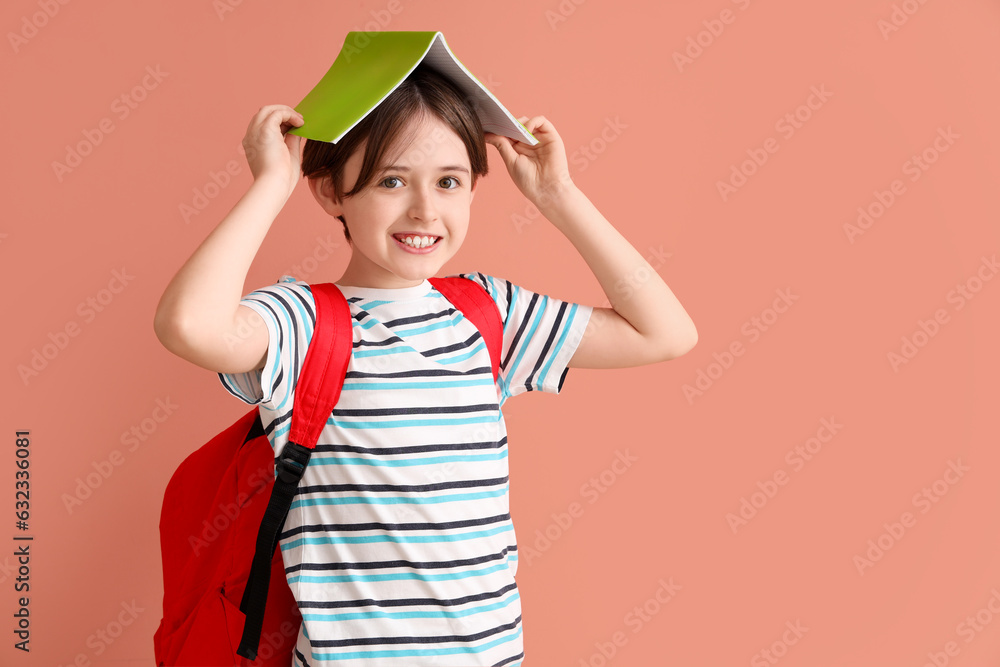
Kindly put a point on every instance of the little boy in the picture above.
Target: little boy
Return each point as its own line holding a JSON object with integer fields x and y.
{"x": 399, "y": 546}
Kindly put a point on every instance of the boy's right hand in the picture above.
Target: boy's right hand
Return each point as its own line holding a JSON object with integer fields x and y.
{"x": 270, "y": 151}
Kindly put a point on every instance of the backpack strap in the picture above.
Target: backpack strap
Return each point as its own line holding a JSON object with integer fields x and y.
{"x": 316, "y": 394}
{"x": 478, "y": 306}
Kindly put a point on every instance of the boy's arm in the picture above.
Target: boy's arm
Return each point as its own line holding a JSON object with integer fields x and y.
{"x": 646, "y": 323}
{"x": 199, "y": 316}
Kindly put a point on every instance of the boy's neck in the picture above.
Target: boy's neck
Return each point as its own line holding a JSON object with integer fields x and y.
{"x": 348, "y": 280}
{"x": 375, "y": 280}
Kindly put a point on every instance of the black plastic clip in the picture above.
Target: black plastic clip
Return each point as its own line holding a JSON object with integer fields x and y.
{"x": 292, "y": 462}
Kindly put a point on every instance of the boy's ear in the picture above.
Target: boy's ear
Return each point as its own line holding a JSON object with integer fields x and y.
{"x": 322, "y": 190}
{"x": 472, "y": 193}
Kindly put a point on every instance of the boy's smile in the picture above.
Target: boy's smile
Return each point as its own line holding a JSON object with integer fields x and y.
{"x": 414, "y": 216}
{"x": 417, "y": 243}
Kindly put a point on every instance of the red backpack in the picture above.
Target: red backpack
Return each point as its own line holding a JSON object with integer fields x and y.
{"x": 224, "y": 589}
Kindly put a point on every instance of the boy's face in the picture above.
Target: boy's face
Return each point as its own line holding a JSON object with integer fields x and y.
{"x": 426, "y": 191}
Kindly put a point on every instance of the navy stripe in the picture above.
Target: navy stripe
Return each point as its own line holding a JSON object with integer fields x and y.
{"x": 543, "y": 357}
{"x": 422, "y": 565}
{"x": 375, "y": 525}
{"x": 438, "y": 639}
{"x": 412, "y": 449}
{"x": 507, "y": 661}
{"x": 411, "y": 488}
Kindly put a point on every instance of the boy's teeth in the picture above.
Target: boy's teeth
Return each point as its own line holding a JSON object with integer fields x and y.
{"x": 417, "y": 241}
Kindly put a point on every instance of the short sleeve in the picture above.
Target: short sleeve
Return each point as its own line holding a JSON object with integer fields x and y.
{"x": 289, "y": 311}
{"x": 540, "y": 335}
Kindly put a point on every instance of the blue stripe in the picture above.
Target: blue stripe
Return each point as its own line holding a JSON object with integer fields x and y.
{"x": 566, "y": 326}
{"x": 400, "y": 500}
{"x": 528, "y": 335}
{"x": 484, "y": 419}
{"x": 326, "y": 460}
{"x": 433, "y": 326}
{"x": 406, "y": 349}
{"x": 399, "y": 539}
{"x": 468, "y": 355}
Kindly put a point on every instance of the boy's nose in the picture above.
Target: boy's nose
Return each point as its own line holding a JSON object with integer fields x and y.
{"x": 423, "y": 206}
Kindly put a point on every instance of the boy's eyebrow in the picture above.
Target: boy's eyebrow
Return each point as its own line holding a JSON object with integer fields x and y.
{"x": 451, "y": 167}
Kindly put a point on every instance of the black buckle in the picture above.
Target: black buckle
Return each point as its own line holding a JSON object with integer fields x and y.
{"x": 292, "y": 463}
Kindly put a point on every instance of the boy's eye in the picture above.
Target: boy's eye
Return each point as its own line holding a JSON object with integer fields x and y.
{"x": 396, "y": 179}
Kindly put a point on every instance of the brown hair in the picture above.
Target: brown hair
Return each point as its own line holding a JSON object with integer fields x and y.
{"x": 423, "y": 91}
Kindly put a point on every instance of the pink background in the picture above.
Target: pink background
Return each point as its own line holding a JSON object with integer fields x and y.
{"x": 681, "y": 130}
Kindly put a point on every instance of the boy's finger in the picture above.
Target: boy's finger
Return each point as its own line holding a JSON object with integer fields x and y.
{"x": 504, "y": 147}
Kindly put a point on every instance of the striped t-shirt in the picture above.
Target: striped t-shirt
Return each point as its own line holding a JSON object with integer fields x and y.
{"x": 399, "y": 546}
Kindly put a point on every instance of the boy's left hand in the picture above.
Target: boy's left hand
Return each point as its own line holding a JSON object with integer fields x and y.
{"x": 541, "y": 171}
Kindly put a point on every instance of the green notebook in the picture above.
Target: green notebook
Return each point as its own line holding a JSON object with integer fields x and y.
{"x": 362, "y": 76}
